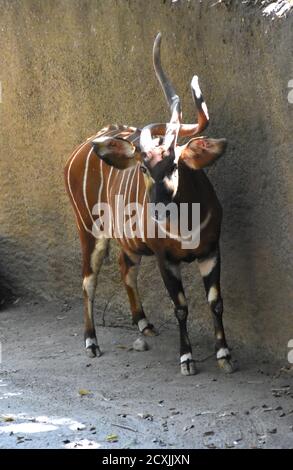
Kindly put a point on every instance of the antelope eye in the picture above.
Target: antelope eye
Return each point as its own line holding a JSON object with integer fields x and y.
{"x": 143, "y": 169}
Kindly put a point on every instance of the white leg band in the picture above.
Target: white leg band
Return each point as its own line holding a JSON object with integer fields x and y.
{"x": 185, "y": 357}
{"x": 90, "y": 342}
{"x": 223, "y": 352}
{"x": 142, "y": 324}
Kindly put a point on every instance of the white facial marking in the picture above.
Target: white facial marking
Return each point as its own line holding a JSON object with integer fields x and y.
{"x": 207, "y": 266}
{"x": 142, "y": 324}
{"x": 223, "y": 352}
{"x": 213, "y": 294}
{"x": 129, "y": 150}
{"x": 90, "y": 342}
{"x": 185, "y": 357}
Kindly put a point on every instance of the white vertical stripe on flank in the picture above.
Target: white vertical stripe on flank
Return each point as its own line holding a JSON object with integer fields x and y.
{"x": 102, "y": 174}
{"x": 101, "y": 185}
{"x": 142, "y": 214}
{"x": 129, "y": 197}
{"x": 101, "y": 182}
{"x": 121, "y": 182}
{"x": 137, "y": 201}
{"x": 126, "y": 184}
{"x": 108, "y": 183}
{"x": 103, "y": 132}
{"x": 118, "y": 194}
{"x": 125, "y": 194}
{"x": 84, "y": 183}
{"x": 113, "y": 187}
{"x": 107, "y": 194}
{"x": 110, "y": 198}
{"x": 77, "y": 223}
{"x": 69, "y": 186}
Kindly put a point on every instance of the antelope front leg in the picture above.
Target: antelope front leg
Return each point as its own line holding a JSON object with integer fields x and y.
{"x": 172, "y": 278}
{"x": 94, "y": 253}
{"x": 129, "y": 266}
{"x": 210, "y": 269}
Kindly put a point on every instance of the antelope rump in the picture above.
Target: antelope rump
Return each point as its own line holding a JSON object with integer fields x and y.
{"x": 147, "y": 166}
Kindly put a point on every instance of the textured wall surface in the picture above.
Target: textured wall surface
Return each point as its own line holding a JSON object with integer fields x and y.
{"x": 69, "y": 67}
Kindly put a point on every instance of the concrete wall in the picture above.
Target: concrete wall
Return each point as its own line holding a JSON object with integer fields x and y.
{"x": 69, "y": 67}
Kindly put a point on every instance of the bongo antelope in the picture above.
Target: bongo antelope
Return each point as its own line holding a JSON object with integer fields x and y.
{"x": 145, "y": 165}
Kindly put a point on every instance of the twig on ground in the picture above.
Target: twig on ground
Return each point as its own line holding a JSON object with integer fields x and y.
{"x": 128, "y": 428}
{"x": 104, "y": 311}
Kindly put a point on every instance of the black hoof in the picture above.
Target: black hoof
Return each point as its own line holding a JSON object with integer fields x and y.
{"x": 226, "y": 365}
{"x": 150, "y": 330}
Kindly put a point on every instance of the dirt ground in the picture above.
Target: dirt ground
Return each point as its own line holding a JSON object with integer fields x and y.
{"x": 53, "y": 396}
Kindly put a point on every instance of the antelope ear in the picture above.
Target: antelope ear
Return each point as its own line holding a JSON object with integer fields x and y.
{"x": 116, "y": 152}
{"x": 202, "y": 152}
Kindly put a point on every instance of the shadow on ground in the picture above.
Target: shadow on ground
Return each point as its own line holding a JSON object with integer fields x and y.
{"x": 53, "y": 396}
